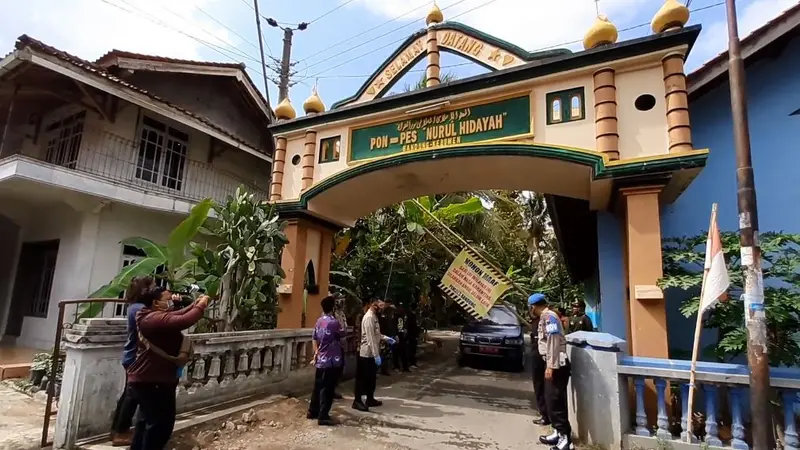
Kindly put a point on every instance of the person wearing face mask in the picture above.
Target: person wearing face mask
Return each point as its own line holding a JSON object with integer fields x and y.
{"x": 162, "y": 351}
{"x": 369, "y": 357}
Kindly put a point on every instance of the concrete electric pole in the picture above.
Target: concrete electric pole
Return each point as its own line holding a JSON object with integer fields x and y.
{"x": 285, "y": 62}
{"x": 754, "y": 311}
{"x": 261, "y": 48}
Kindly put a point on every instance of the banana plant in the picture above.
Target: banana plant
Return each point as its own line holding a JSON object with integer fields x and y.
{"x": 173, "y": 258}
{"x": 418, "y": 212}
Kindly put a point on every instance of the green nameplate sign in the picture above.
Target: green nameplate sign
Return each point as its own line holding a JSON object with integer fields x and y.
{"x": 501, "y": 119}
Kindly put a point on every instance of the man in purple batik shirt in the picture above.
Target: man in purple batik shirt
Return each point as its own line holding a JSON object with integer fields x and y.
{"x": 328, "y": 358}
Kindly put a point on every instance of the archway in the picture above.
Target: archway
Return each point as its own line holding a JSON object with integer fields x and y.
{"x": 560, "y": 123}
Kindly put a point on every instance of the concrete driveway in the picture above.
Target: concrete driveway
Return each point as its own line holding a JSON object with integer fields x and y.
{"x": 438, "y": 407}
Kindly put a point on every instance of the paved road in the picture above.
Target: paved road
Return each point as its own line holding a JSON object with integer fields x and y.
{"x": 439, "y": 407}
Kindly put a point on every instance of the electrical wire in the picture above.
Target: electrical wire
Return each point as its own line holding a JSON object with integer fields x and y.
{"x": 244, "y": 39}
{"x": 393, "y": 42}
{"x": 361, "y": 33}
{"x": 563, "y": 44}
{"x": 333, "y": 10}
{"x": 366, "y": 42}
{"x": 222, "y": 51}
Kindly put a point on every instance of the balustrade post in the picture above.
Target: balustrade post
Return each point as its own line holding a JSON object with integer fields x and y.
{"x": 737, "y": 424}
{"x": 712, "y": 428}
{"x": 641, "y": 414}
{"x": 662, "y": 420}
{"x": 686, "y": 424}
{"x": 790, "y": 440}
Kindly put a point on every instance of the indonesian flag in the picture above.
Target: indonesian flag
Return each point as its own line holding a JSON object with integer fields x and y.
{"x": 716, "y": 281}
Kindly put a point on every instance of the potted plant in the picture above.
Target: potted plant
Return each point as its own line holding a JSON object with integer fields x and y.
{"x": 39, "y": 367}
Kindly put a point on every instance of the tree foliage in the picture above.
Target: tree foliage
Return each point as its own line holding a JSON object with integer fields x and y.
{"x": 399, "y": 252}
{"x": 683, "y": 269}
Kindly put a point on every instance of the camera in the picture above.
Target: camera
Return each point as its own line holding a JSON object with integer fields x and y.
{"x": 187, "y": 296}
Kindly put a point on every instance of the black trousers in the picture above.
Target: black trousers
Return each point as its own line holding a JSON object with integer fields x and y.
{"x": 366, "y": 379}
{"x": 412, "y": 349}
{"x": 126, "y": 409}
{"x": 538, "y": 383}
{"x": 400, "y": 353}
{"x": 339, "y": 375}
{"x": 555, "y": 394}
{"x": 322, "y": 396}
{"x": 156, "y": 415}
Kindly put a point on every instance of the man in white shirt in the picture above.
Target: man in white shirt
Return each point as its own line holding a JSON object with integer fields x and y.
{"x": 369, "y": 358}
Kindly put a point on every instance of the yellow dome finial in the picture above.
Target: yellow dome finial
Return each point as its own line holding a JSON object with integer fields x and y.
{"x": 671, "y": 15}
{"x": 602, "y": 32}
{"x": 285, "y": 110}
{"x": 434, "y": 15}
{"x": 313, "y": 104}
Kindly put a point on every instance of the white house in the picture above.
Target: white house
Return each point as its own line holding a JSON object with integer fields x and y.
{"x": 94, "y": 152}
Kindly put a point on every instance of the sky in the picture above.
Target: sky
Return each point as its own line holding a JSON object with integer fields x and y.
{"x": 346, "y": 40}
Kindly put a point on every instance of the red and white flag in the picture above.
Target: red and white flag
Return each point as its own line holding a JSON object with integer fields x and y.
{"x": 716, "y": 280}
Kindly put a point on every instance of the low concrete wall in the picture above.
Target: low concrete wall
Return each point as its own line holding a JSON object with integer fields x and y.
{"x": 225, "y": 366}
{"x": 597, "y": 411}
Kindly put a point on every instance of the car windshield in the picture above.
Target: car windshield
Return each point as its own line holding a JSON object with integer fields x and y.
{"x": 501, "y": 316}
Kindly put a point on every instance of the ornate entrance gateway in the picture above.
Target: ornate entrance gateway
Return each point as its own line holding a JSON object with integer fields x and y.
{"x": 605, "y": 129}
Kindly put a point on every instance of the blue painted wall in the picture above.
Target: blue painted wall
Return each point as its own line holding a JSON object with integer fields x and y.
{"x": 773, "y": 92}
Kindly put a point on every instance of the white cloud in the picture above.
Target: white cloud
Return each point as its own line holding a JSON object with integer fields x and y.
{"x": 531, "y": 24}
{"x": 89, "y": 28}
{"x": 714, "y": 39}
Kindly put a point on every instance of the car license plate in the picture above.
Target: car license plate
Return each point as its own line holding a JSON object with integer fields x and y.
{"x": 491, "y": 350}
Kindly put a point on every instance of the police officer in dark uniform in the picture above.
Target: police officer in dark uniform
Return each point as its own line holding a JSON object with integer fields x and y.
{"x": 552, "y": 339}
{"x": 538, "y": 364}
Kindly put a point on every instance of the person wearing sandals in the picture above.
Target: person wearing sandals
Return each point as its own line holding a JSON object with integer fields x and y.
{"x": 162, "y": 352}
{"x": 328, "y": 360}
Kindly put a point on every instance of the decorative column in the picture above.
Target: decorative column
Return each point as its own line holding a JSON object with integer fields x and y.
{"x": 605, "y": 113}
{"x": 673, "y": 15}
{"x": 278, "y": 162}
{"x": 298, "y": 252}
{"x": 307, "y": 163}
{"x": 432, "y": 71}
{"x": 647, "y": 311}
{"x": 677, "y": 102}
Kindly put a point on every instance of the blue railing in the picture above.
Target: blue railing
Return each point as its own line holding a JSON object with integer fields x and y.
{"x": 714, "y": 382}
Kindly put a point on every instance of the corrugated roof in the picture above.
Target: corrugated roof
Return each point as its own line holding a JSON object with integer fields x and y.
{"x": 722, "y": 58}
{"x": 103, "y": 60}
{"x": 95, "y": 69}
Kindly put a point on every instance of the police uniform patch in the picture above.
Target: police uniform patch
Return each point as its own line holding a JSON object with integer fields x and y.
{"x": 552, "y": 326}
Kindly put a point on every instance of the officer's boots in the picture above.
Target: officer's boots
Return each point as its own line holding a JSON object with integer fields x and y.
{"x": 557, "y": 440}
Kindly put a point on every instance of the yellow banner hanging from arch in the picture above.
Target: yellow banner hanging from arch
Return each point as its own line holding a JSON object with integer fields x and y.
{"x": 473, "y": 283}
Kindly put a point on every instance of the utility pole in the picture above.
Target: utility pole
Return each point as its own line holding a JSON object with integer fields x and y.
{"x": 286, "y": 58}
{"x": 261, "y": 48}
{"x": 754, "y": 312}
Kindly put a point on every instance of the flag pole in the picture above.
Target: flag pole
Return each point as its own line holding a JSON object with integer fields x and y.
{"x": 698, "y": 328}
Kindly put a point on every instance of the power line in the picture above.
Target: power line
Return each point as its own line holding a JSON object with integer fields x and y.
{"x": 222, "y": 51}
{"x": 395, "y": 41}
{"x": 334, "y": 9}
{"x": 227, "y": 27}
{"x": 563, "y": 44}
{"x": 390, "y": 32}
{"x": 449, "y": 66}
{"x": 360, "y": 34}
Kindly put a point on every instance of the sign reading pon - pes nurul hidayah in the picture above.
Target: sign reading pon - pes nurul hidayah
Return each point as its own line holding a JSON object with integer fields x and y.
{"x": 473, "y": 284}
{"x": 474, "y": 124}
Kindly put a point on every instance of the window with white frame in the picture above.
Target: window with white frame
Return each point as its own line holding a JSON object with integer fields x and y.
{"x": 63, "y": 138}
{"x": 162, "y": 154}
{"x": 132, "y": 255}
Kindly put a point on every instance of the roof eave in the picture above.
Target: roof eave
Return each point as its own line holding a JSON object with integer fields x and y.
{"x": 648, "y": 44}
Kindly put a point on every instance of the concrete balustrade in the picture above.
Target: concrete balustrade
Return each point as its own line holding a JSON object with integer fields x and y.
{"x": 225, "y": 366}
{"x": 603, "y": 375}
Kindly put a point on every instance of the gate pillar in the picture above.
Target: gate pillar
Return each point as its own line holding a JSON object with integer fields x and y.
{"x": 647, "y": 314}
{"x": 306, "y": 261}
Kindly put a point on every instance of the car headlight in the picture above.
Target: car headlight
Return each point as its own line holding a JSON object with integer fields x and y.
{"x": 467, "y": 338}
{"x": 514, "y": 341}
